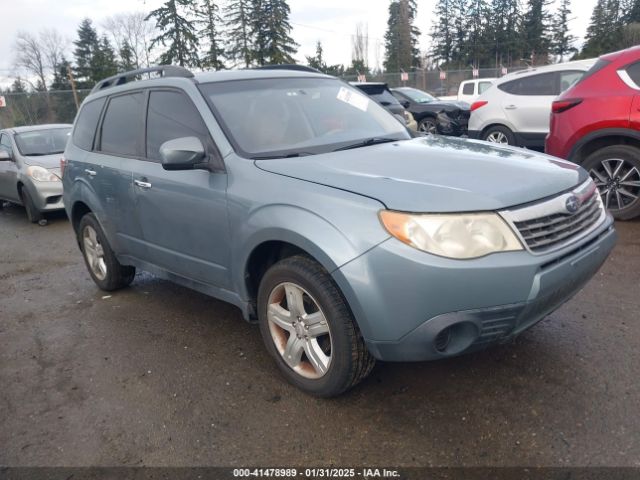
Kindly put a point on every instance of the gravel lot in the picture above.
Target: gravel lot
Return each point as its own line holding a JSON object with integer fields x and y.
{"x": 159, "y": 375}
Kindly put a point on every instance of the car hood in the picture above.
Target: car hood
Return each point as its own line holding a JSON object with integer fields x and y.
{"x": 437, "y": 174}
{"x": 46, "y": 161}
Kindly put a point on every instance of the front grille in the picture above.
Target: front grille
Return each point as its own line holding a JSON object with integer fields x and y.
{"x": 549, "y": 225}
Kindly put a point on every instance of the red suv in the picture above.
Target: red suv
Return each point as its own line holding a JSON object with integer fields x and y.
{"x": 596, "y": 123}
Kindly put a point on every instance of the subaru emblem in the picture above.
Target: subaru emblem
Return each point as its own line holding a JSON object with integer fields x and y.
{"x": 572, "y": 204}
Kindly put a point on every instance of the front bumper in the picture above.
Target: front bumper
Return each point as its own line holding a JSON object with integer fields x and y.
{"x": 47, "y": 196}
{"x": 412, "y": 306}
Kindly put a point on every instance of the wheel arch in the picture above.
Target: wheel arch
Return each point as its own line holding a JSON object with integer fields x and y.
{"x": 601, "y": 139}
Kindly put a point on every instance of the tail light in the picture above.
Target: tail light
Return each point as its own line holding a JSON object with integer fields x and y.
{"x": 560, "y": 106}
{"x": 477, "y": 105}
{"x": 63, "y": 163}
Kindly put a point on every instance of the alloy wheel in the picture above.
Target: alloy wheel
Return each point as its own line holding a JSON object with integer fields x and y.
{"x": 497, "y": 137}
{"x": 427, "y": 126}
{"x": 94, "y": 252}
{"x": 618, "y": 182}
{"x": 299, "y": 330}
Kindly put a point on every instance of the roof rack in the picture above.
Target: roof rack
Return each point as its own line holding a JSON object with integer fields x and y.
{"x": 122, "y": 78}
{"x": 284, "y": 66}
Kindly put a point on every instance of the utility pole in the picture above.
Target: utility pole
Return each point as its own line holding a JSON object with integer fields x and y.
{"x": 73, "y": 86}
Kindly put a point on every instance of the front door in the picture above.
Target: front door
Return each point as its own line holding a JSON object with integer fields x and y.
{"x": 183, "y": 214}
{"x": 8, "y": 172}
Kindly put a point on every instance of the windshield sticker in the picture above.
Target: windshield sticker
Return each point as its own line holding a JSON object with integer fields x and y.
{"x": 353, "y": 99}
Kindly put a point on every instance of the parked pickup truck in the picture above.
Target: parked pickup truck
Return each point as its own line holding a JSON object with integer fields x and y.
{"x": 471, "y": 89}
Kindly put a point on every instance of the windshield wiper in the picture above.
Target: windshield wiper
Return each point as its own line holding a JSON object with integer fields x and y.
{"x": 285, "y": 155}
{"x": 366, "y": 143}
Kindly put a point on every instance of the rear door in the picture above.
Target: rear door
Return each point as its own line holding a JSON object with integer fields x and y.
{"x": 633, "y": 73}
{"x": 183, "y": 214}
{"x": 8, "y": 171}
{"x": 527, "y": 104}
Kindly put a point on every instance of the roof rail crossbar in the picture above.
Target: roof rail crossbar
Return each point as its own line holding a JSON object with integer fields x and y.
{"x": 295, "y": 67}
{"x": 122, "y": 78}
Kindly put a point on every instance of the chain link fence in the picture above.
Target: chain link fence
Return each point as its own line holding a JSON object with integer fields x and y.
{"x": 55, "y": 106}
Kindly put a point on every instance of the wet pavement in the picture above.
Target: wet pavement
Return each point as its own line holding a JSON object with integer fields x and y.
{"x": 160, "y": 375}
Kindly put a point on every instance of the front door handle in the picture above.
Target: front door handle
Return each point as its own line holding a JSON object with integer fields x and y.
{"x": 91, "y": 173}
{"x": 142, "y": 184}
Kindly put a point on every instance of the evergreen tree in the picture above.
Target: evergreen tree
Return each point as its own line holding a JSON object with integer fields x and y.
{"x": 318, "y": 63}
{"x": 401, "y": 38}
{"x": 237, "y": 19}
{"x": 561, "y": 39}
{"x": 535, "y": 32}
{"x": 209, "y": 19}
{"x": 127, "y": 57}
{"x": 504, "y": 44}
{"x": 61, "y": 76}
{"x": 442, "y": 34}
{"x": 632, "y": 12}
{"x": 477, "y": 33}
{"x": 604, "y": 33}
{"x": 177, "y": 31}
{"x": 87, "y": 45}
{"x": 103, "y": 62}
{"x": 270, "y": 29}
{"x": 460, "y": 9}
{"x": 18, "y": 86}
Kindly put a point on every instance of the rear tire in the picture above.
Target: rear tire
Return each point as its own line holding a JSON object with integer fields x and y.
{"x": 33, "y": 214}
{"x": 500, "y": 135}
{"x": 616, "y": 171}
{"x": 103, "y": 266}
{"x": 300, "y": 310}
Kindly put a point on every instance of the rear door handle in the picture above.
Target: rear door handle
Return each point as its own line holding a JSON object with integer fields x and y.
{"x": 510, "y": 107}
{"x": 142, "y": 184}
{"x": 91, "y": 173}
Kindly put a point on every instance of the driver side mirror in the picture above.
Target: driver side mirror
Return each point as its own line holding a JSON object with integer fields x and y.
{"x": 5, "y": 156}
{"x": 186, "y": 153}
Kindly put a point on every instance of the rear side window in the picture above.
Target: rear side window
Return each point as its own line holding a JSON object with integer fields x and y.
{"x": 483, "y": 87}
{"x": 122, "y": 130}
{"x": 86, "y": 123}
{"x": 172, "y": 115}
{"x": 467, "y": 89}
{"x": 634, "y": 72}
{"x": 540, "y": 85}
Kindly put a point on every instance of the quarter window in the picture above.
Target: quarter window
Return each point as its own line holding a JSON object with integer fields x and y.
{"x": 86, "y": 123}
{"x": 122, "y": 125}
{"x": 634, "y": 72}
{"x": 5, "y": 142}
{"x": 172, "y": 115}
{"x": 483, "y": 87}
{"x": 468, "y": 89}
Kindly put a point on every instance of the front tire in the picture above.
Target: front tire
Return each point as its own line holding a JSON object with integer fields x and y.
{"x": 428, "y": 125}
{"x": 616, "y": 172}
{"x": 500, "y": 135}
{"x": 33, "y": 214}
{"x": 103, "y": 266}
{"x": 309, "y": 329}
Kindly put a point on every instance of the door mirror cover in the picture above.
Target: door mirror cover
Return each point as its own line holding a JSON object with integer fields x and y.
{"x": 185, "y": 153}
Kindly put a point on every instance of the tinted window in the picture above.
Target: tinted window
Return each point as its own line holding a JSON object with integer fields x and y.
{"x": 634, "y": 72}
{"x": 569, "y": 79}
{"x": 86, "y": 123}
{"x": 543, "y": 84}
{"x": 122, "y": 125}
{"x": 172, "y": 115}
{"x": 468, "y": 89}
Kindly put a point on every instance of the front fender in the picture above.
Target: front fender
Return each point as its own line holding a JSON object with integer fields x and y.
{"x": 325, "y": 241}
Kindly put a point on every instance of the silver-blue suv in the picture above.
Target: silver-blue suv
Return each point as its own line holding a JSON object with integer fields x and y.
{"x": 303, "y": 202}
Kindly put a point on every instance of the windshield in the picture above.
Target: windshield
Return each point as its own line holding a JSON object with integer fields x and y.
{"x": 297, "y": 116}
{"x": 43, "y": 142}
{"x": 417, "y": 96}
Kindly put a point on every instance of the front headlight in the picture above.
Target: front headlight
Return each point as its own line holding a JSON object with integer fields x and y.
{"x": 41, "y": 174}
{"x": 461, "y": 236}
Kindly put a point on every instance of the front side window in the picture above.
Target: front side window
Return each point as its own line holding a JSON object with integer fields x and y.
{"x": 42, "y": 142}
{"x": 5, "y": 143}
{"x": 418, "y": 96}
{"x": 172, "y": 115}
{"x": 85, "y": 126}
{"x": 122, "y": 131}
{"x": 297, "y": 116}
{"x": 569, "y": 78}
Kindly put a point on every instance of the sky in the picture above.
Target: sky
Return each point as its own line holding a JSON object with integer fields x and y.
{"x": 332, "y": 22}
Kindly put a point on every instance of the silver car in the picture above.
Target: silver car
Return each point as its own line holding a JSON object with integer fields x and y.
{"x": 30, "y": 167}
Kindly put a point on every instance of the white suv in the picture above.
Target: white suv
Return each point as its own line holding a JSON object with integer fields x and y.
{"x": 515, "y": 110}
